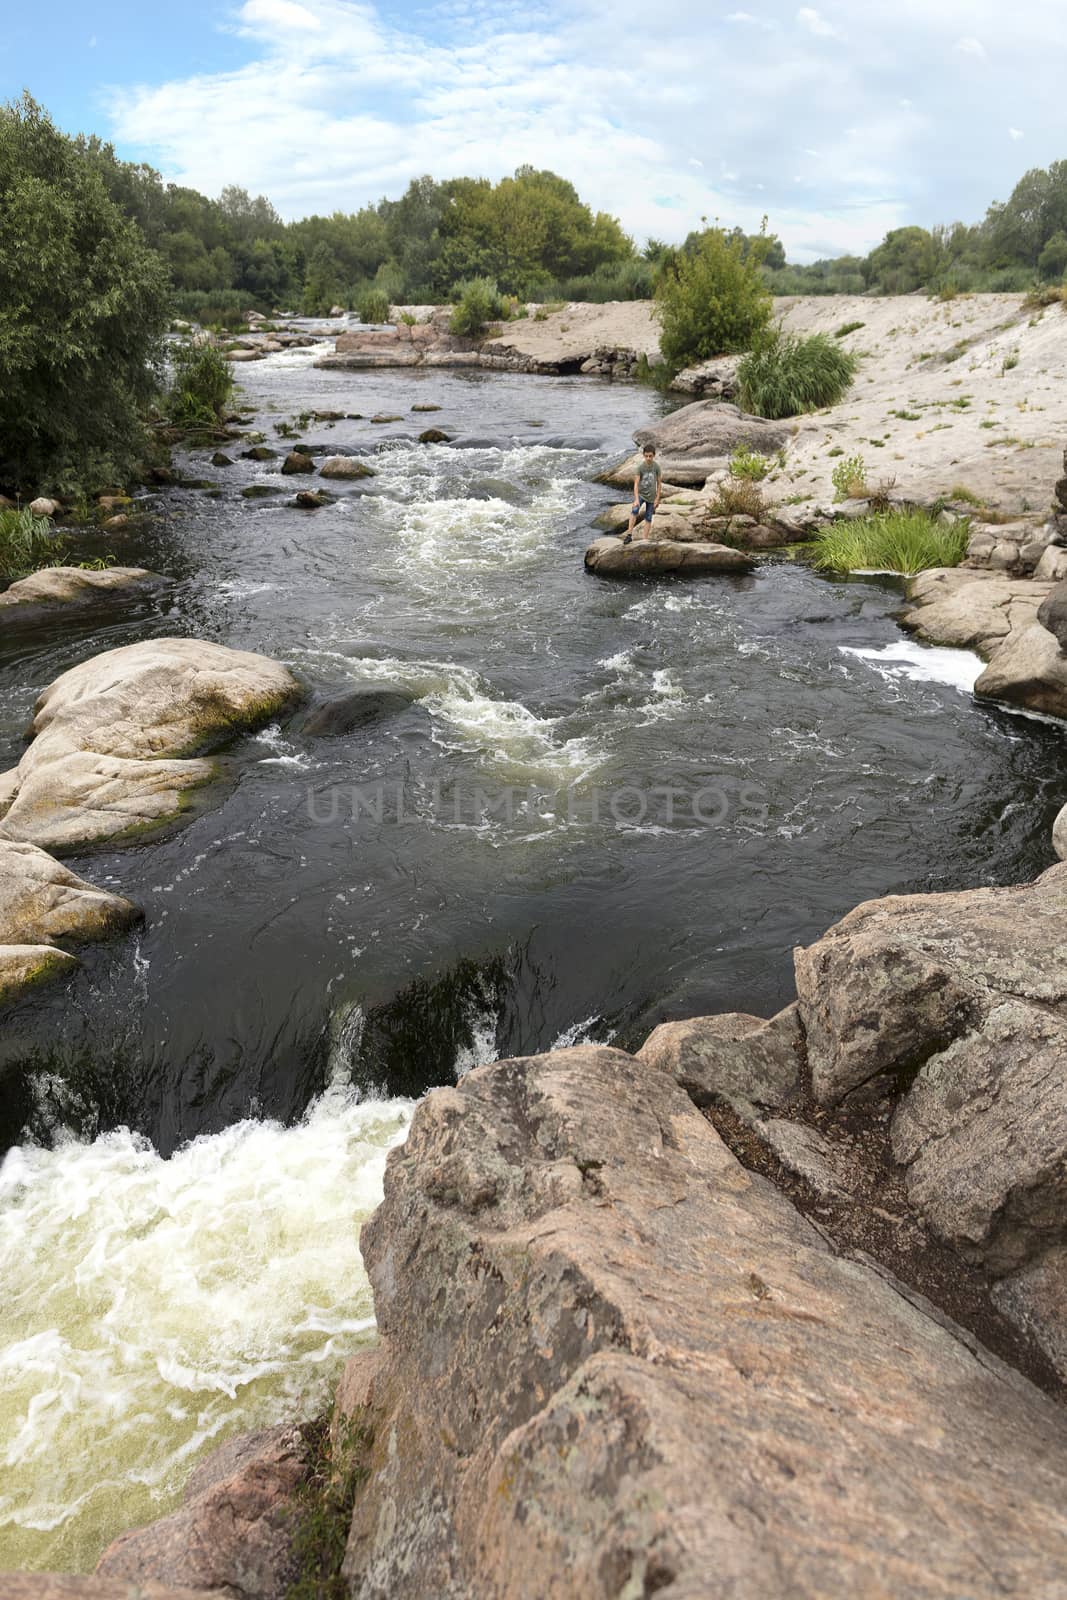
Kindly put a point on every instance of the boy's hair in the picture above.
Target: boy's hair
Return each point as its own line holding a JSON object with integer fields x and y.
{"x": 649, "y": 450}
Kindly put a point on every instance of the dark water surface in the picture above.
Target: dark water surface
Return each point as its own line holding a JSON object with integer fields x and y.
{"x": 284, "y": 932}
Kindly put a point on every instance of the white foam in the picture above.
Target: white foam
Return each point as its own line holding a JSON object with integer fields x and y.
{"x": 149, "y": 1307}
{"x": 960, "y": 669}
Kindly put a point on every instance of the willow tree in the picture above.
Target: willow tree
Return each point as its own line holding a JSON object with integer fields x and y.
{"x": 83, "y": 310}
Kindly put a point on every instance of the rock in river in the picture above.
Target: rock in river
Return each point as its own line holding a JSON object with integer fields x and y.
{"x": 112, "y": 738}
{"x": 355, "y": 708}
{"x": 345, "y": 467}
{"x": 40, "y": 903}
{"x": 616, "y": 1358}
{"x": 640, "y": 558}
{"x": 56, "y": 589}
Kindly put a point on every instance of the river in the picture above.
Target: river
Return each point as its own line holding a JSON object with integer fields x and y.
{"x": 598, "y": 805}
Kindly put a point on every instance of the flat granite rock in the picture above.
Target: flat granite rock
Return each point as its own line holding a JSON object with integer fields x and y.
{"x": 618, "y": 1360}
{"x": 60, "y": 588}
{"x": 113, "y": 739}
{"x": 610, "y": 558}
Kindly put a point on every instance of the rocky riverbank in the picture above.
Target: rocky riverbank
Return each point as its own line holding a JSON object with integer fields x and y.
{"x": 788, "y": 1320}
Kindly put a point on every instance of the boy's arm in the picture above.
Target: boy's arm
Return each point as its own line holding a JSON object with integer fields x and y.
{"x": 659, "y": 488}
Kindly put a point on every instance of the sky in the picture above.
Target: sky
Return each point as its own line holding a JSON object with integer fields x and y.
{"x": 837, "y": 121}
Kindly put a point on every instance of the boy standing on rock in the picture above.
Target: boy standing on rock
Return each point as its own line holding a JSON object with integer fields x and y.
{"x": 647, "y": 483}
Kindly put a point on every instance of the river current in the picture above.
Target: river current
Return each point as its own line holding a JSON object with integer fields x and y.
{"x": 596, "y": 805}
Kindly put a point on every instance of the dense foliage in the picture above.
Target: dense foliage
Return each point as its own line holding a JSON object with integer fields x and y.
{"x": 710, "y": 298}
{"x": 785, "y": 374}
{"x": 83, "y": 309}
{"x": 531, "y": 233}
{"x": 891, "y": 541}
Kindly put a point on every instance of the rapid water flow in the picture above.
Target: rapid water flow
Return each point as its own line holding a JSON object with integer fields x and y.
{"x": 587, "y": 806}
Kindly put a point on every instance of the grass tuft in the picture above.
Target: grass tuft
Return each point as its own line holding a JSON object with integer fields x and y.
{"x": 27, "y": 543}
{"x": 785, "y": 375}
{"x": 894, "y": 541}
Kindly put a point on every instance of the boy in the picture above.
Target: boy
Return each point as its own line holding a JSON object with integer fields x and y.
{"x": 647, "y": 484}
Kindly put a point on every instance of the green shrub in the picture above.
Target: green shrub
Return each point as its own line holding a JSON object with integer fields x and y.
{"x": 83, "y": 310}
{"x": 892, "y": 541}
{"x": 202, "y": 386}
{"x": 373, "y": 306}
{"x": 849, "y": 479}
{"x": 786, "y": 374}
{"x": 476, "y": 302}
{"x": 711, "y": 299}
{"x": 27, "y": 543}
{"x": 847, "y": 328}
{"x": 746, "y": 463}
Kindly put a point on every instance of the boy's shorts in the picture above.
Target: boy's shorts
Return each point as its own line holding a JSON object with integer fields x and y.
{"x": 642, "y": 510}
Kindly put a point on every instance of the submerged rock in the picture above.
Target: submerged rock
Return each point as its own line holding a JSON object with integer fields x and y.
{"x": 433, "y": 436}
{"x": 296, "y": 461}
{"x": 354, "y": 709}
{"x": 111, "y": 738}
{"x": 611, "y": 558}
{"x": 615, "y": 1357}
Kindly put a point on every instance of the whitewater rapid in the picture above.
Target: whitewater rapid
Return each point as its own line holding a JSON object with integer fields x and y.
{"x": 152, "y": 1307}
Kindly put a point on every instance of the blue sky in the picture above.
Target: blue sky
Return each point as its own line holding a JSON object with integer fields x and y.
{"x": 840, "y": 121}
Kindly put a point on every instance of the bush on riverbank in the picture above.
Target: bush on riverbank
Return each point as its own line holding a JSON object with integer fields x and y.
{"x": 83, "y": 310}
{"x": 786, "y": 374}
{"x": 711, "y": 300}
{"x": 477, "y": 301}
{"x": 892, "y": 541}
{"x": 202, "y": 386}
{"x": 373, "y": 306}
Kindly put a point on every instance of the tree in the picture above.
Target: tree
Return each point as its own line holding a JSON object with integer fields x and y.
{"x": 1052, "y": 262}
{"x": 323, "y": 282}
{"x": 906, "y": 260}
{"x": 711, "y": 299}
{"x": 83, "y": 310}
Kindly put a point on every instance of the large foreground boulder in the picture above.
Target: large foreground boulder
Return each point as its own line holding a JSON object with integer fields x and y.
{"x": 42, "y": 903}
{"x": 113, "y": 739}
{"x": 898, "y": 980}
{"x": 610, "y": 558}
{"x": 955, "y": 1006}
{"x": 617, "y": 1363}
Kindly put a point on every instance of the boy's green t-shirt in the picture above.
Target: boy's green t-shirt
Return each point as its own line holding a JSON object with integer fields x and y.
{"x": 648, "y": 480}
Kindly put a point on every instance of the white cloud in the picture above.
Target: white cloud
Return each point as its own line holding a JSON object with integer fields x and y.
{"x": 1015, "y": 133}
{"x": 970, "y": 46}
{"x": 815, "y": 22}
{"x": 284, "y": 14}
{"x": 335, "y": 106}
